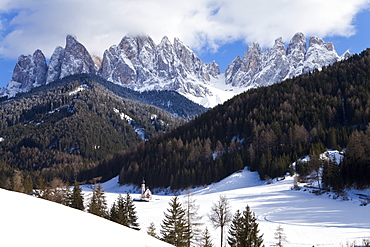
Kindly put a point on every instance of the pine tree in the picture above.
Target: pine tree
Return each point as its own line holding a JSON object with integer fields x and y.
{"x": 152, "y": 230}
{"x": 280, "y": 237}
{"x": 131, "y": 213}
{"x": 174, "y": 228}
{"x": 244, "y": 230}
{"x": 206, "y": 240}
{"x": 98, "y": 204}
{"x": 220, "y": 215}
{"x": 236, "y": 228}
{"x": 77, "y": 200}
{"x": 123, "y": 212}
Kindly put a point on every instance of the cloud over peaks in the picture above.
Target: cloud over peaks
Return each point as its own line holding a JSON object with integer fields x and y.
{"x": 27, "y": 25}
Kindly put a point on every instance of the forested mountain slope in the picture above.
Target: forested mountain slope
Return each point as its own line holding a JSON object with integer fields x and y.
{"x": 69, "y": 126}
{"x": 266, "y": 129}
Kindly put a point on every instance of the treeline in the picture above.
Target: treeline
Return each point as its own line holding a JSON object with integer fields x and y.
{"x": 122, "y": 211}
{"x": 71, "y": 127}
{"x": 265, "y": 129}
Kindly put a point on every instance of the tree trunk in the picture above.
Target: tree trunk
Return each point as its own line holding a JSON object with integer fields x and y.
{"x": 222, "y": 235}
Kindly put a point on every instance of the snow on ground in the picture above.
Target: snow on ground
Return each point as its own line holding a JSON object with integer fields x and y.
{"x": 221, "y": 92}
{"x": 30, "y": 221}
{"x": 307, "y": 219}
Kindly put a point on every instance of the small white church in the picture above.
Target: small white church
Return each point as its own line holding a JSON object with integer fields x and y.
{"x": 146, "y": 194}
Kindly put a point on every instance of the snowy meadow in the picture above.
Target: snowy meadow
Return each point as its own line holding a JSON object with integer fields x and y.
{"x": 307, "y": 219}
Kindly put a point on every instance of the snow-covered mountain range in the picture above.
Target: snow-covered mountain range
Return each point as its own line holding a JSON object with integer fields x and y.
{"x": 138, "y": 63}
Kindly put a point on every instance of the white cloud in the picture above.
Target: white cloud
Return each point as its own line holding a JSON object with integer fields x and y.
{"x": 98, "y": 24}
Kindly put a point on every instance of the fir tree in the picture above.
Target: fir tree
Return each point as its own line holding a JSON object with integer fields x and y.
{"x": 113, "y": 214}
{"x": 77, "y": 200}
{"x": 236, "y": 230}
{"x": 206, "y": 240}
{"x": 152, "y": 230}
{"x": 244, "y": 230}
{"x": 123, "y": 212}
{"x": 120, "y": 211}
{"x": 98, "y": 204}
{"x": 174, "y": 228}
{"x": 131, "y": 213}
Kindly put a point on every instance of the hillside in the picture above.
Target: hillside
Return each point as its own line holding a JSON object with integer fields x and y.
{"x": 69, "y": 126}
{"x": 29, "y": 221}
{"x": 265, "y": 129}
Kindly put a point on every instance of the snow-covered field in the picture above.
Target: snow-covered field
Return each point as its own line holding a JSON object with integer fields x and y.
{"x": 307, "y": 219}
{"x": 30, "y": 221}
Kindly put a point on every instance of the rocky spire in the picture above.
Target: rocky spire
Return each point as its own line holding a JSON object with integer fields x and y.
{"x": 76, "y": 59}
{"x": 29, "y": 72}
{"x": 55, "y": 65}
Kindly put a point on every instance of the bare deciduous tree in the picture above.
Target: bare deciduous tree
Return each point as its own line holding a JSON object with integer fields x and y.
{"x": 220, "y": 215}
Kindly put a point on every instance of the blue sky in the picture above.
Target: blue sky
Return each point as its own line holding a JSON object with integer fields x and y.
{"x": 216, "y": 30}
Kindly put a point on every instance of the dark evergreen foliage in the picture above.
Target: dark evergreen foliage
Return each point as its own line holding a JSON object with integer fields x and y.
{"x": 98, "y": 204}
{"x": 266, "y": 129}
{"x": 244, "y": 230}
{"x": 174, "y": 229}
{"x": 123, "y": 212}
{"x": 60, "y": 131}
{"x": 77, "y": 200}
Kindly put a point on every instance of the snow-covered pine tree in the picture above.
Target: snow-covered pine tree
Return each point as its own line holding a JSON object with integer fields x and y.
{"x": 98, "y": 204}
{"x": 174, "y": 229}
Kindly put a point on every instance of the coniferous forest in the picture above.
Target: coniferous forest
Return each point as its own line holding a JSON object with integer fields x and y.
{"x": 70, "y": 126}
{"x": 266, "y": 129}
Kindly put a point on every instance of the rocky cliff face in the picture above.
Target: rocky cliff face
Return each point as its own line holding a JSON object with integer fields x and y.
{"x": 29, "y": 72}
{"x": 32, "y": 71}
{"x": 265, "y": 67}
{"x": 139, "y": 64}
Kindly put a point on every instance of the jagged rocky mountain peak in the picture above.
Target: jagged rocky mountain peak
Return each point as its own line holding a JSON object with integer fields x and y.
{"x": 279, "y": 46}
{"x": 138, "y": 63}
{"x": 29, "y": 71}
{"x": 265, "y": 67}
{"x": 297, "y": 44}
{"x": 77, "y": 59}
{"x": 55, "y": 64}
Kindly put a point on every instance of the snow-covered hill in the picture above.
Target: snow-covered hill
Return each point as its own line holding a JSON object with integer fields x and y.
{"x": 307, "y": 219}
{"x": 29, "y": 221}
